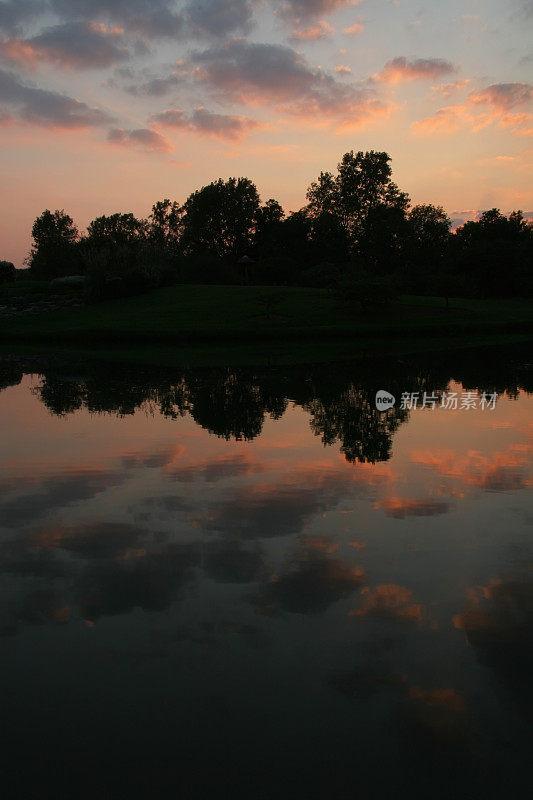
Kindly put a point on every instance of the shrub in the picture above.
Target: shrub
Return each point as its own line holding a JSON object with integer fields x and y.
{"x": 358, "y": 287}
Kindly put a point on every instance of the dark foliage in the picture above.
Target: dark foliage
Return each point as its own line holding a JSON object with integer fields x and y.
{"x": 357, "y": 235}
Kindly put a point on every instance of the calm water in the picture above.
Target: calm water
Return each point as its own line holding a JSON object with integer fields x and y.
{"x": 228, "y": 580}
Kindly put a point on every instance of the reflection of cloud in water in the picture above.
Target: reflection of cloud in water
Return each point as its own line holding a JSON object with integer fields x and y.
{"x": 363, "y": 683}
{"x": 309, "y": 585}
{"x": 151, "y": 582}
{"x": 160, "y": 458}
{"x": 281, "y": 509}
{"x": 501, "y": 472}
{"x": 53, "y": 492}
{"x": 232, "y": 562}
{"x": 231, "y": 466}
{"x": 390, "y": 602}
{"x": 498, "y": 624}
{"x": 401, "y": 507}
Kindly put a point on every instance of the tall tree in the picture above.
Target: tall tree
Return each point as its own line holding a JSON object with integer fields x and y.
{"x": 117, "y": 230}
{"x": 165, "y": 223}
{"x": 220, "y": 219}
{"x": 53, "y": 251}
{"x": 362, "y": 183}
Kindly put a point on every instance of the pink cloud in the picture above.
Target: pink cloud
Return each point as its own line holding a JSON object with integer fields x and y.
{"x": 353, "y": 30}
{"x": 220, "y": 126}
{"x": 402, "y": 69}
{"x": 72, "y": 45}
{"x": 490, "y": 106}
{"x": 319, "y": 31}
{"x": 143, "y": 138}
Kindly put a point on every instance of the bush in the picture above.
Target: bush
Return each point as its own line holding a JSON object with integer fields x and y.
{"x": 276, "y": 271}
{"x": 358, "y": 287}
{"x": 321, "y": 276}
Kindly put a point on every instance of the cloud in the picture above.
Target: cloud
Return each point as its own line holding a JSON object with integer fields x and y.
{"x": 488, "y": 106}
{"x": 342, "y": 70}
{"x": 403, "y": 69}
{"x": 446, "y": 89}
{"x": 220, "y": 17}
{"x": 299, "y": 10}
{"x": 504, "y": 96}
{"x": 74, "y": 45}
{"x": 143, "y": 138}
{"x": 319, "y": 31}
{"x": 147, "y": 18}
{"x": 48, "y": 108}
{"x": 15, "y": 12}
{"x": 219, "y": 126}
{"x": 353, "y": 30}
{"x": 275, "y": 74}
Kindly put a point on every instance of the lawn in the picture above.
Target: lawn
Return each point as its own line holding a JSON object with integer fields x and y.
{"x": 224, "y": 313}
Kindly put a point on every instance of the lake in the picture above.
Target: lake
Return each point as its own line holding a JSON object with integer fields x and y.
{"x": 248, "y": 580}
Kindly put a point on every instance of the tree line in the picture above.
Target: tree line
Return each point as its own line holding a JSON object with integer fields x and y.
{"x": 358, "y": 234}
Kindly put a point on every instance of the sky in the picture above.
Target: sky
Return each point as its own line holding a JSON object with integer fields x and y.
{"x": 112, "y": 105}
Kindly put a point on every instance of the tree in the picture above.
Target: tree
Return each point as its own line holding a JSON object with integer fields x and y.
{"x": 431, "y": 228}
{"x": 53, "y": 251}
{"x": 268, "y": 227}
{"x": 117, "y": 230}
{"x": 428, "y": 247}
{"x": 359, "y": 287}
{"x": 7, "y": 271}
{"x": 363, "y": 181}
{"x": 221, "y": 218}
{"x": 496, "y": 252}
{"x": 384, "y": 239}
{"x": 165, "y": 224}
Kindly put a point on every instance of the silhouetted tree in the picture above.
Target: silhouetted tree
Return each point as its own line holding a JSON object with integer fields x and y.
{"x": 384, "y": 239}
{"x": 165, "y": 224}
{"x": 117, "y": 230}
{"x": 268, "y": 230}
{"x": 363, "y": 181}
{"x": 7, "y": 271}
{"x": 496, "y": 252}
{"x": 53, "y": 251}
{"x": 220, "y": 218}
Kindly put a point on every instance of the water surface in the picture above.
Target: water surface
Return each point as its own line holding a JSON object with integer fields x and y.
{"x": 235, "y": 580}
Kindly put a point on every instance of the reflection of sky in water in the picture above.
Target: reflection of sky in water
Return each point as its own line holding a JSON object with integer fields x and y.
{"x": 194, "y": 612}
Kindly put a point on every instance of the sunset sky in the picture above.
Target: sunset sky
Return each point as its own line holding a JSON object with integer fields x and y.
{"x": 111, "y": 105}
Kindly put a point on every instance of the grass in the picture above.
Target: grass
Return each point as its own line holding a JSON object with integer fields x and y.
{"x": 216, "y": 314}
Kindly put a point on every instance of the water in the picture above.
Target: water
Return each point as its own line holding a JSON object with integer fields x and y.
{"x": 236, "y": 580}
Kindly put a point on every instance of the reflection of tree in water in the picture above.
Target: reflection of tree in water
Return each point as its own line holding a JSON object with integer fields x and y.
{"x": 365, "y": 434}
{"x": 10, "y": 374}
{"x": 232, "y": 403}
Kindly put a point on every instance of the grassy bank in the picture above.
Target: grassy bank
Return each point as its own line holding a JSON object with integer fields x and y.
{"x": 218, "y": 314}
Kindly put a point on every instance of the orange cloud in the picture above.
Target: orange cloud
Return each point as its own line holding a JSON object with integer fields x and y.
{"x": 319, "y": 31}
{"x": 228, "y": 127}
{"x": 143, "y": 138}
{"x": 402, "y": 69}
{"x": 447, "y": 89}
{"x": 490, "y": 106}
{"x": 353, "y": 30}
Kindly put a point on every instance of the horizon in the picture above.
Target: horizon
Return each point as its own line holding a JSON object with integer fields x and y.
{"x": 110, "y": 107}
